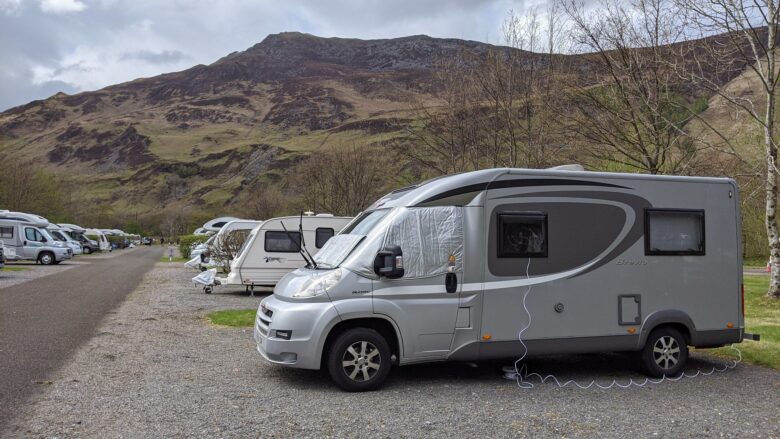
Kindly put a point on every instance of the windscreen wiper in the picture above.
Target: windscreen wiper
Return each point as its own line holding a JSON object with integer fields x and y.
{"x": 300, "y": 248}
{"x": 303, "y": 241}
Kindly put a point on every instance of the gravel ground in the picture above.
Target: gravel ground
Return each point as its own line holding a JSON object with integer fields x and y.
{"x": 157, "y": 368}
{"x": 34, "y": 271}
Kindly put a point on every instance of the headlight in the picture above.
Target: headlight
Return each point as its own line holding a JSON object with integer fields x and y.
{"x": 319, "y": 285}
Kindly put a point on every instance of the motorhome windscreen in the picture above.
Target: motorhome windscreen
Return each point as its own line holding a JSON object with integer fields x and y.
{"x": 431, "y": 239}
{"x": 58, "y": 236}
{"x": 336, "y": 249}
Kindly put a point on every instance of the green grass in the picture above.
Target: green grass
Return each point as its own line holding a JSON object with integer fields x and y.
{"x": 9, "y": 268}
{"x": 234, "y": 317}
{"x": 762, "y": 316}
{"x": 175, "y": 259}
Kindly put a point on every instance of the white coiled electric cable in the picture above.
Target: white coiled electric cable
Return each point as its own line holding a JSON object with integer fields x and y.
{"x": 522, "y": 375}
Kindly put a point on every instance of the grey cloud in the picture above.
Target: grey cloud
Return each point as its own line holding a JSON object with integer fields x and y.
{"x": 162, "y": 57}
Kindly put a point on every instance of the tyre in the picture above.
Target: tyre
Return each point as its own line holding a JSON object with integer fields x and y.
{"x": 359, "y": 360}
{"x": 207, "y": 290}
{"x": 665, "y": 353}
{"x": 87, "y": 250}
{"x": 46, "y": 258}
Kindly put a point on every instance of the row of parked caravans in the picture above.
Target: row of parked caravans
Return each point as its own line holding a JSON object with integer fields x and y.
{"x": 31, "y": 237}
{"x": 270, "y": 249}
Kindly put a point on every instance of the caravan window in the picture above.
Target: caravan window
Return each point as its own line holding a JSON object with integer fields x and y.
{"x": 282, "y": 242}
{"x": 6, "y": 232}
{"x": 522, "y": 235}
{"x": 322, "y": 235}
{"x": 674, "y": 232}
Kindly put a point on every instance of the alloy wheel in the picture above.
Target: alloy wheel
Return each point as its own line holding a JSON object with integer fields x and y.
{"x": 361, "y": 361}
{"x": 666, "y": 352}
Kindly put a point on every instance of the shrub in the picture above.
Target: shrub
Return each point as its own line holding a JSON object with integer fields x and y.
{"x": 187, "y": 241}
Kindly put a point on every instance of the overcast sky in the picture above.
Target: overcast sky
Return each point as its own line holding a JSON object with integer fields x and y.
{"x": 48, "y": 46}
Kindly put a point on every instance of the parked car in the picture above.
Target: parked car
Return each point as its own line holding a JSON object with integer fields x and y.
{"x": 498, "y": 263}
{"x": 147, "y": 241}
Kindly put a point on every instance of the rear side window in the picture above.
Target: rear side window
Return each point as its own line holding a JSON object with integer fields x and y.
{"x": 282, "y": 242}
{"x": 6, "y": 232}
{"x": 322, "y": 235}
{"x": 670, "y": 232}
{"x": 522, "y": 235}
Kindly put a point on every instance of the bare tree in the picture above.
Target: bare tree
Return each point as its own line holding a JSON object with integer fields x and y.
{"x": 343, "y": 180}
{"x": 265, "y": 202}
{"x": 738, "y": 35}
{"x": 635, "y": 112}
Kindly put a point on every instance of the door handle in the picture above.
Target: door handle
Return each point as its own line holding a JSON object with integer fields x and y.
{"x": 451, "y": 282}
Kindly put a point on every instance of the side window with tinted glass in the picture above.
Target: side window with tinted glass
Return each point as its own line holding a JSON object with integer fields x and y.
{"x": 522, "y": 235}
{"x": 670, "y": 232}
{"x": 322, "y": 235}
{"x": 6, "y": 232}
{"x": 282, "y": 242}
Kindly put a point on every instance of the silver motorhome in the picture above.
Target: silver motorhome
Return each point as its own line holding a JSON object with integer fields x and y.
{"x": 25, "y": 238}
{"x": 439, "y": 271}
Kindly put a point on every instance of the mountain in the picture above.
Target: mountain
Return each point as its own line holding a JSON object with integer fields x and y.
{"x": 234, "y": 124}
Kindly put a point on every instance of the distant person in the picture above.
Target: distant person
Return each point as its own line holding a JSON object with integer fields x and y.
{"x": 162, "y": 241}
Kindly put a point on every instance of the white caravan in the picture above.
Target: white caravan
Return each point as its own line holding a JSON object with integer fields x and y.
{"x": 273, "y": 249}
{"x": 25, "y": 238}
{"x": 217, "y": 223}
{"x": 101, "y": 239}
{"x": 230, "y": 229}
{"x": 61, "y": 235}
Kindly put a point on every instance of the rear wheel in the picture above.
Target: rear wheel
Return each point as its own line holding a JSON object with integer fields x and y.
{"x": 87, "y": 250}
{"x": 46, "y": 258}
{"x": 665, "y": 353}
{"x": 359, "y": 360}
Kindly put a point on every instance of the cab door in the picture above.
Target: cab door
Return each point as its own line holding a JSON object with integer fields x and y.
{"x": 424, "y": 302}
{"x": 31, "y": 242}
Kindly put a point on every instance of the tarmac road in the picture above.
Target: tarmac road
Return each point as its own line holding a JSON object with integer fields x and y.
{"x": 44, "y": 320}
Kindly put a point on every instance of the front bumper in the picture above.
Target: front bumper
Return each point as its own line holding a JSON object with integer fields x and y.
{"x": 62, "y": 254}
{"x": 308, "y": 322}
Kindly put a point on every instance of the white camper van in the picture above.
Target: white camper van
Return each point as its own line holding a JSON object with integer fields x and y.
{"x": 88, "y": 246}
{"x": 103, "y": 243}
{"x": 504, "y": 263}
{"x": 25, "y": 238}
{"x": 61, "y": 235}
{"x": 273, "y": 249}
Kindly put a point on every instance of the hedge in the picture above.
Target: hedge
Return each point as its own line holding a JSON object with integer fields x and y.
{"x": 187, "y": 241}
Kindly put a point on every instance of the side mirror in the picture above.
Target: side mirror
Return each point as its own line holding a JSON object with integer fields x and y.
{"x": 389, "y": 263}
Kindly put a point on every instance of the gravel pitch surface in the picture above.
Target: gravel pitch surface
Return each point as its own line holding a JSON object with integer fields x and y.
{"x": 157, "y": 368}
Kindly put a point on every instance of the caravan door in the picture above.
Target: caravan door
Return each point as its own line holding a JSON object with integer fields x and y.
{"x": 424, "y": 302}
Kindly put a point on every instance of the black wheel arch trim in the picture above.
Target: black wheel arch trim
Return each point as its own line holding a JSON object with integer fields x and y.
{"x": 663, "y": 317}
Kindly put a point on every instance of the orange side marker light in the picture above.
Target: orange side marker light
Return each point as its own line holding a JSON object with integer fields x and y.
{"x": 487, "y": 337}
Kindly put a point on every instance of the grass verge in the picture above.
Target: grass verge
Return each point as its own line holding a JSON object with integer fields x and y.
{"x": 233, "y": 317}
{"x": 175, "y": 259}
{"x": 762, "y": 316}
{"x": 9, "y": 268}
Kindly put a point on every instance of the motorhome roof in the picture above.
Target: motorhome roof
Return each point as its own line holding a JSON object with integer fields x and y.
{"x": 73, "y": 228}
{"x": 455, "y": 188}
{"x": 31, "y": 218}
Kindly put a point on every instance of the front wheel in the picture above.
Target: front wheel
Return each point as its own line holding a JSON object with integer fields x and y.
{"x": 359, "y": 360}
{"x": 87, "y": 250}
{"x": 665, "y": 353}
{"x": 46, "y": 258}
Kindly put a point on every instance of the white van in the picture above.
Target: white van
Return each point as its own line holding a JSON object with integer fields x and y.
{"x": 103, "y": 243}
{"x": 61, "y": 235}
{"x": 88, "y": 246}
